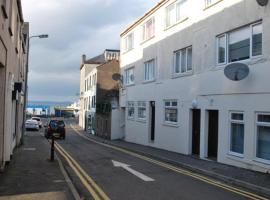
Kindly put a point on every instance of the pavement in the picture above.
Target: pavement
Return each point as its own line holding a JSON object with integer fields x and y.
{"x": 256, "y": 182}
{"x": 31, "y": 175}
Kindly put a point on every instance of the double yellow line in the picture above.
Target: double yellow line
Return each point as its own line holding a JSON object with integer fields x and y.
{"x": 96, "y": 192}
{"x": 179, "y": 170}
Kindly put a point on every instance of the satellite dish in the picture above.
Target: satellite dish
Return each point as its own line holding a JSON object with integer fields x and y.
{"x": 116, "y": 77}
{"x": 262, "y": 2}
{"x": 236, "y": 71}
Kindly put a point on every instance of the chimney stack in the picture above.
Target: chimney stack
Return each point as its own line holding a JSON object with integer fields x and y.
{"x": 83, "y": 59}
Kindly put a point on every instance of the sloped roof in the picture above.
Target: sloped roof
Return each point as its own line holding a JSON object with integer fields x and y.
{"x": 100, "y": 59}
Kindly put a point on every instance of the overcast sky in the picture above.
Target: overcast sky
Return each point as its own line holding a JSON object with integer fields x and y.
{"x": 75, "y": 27}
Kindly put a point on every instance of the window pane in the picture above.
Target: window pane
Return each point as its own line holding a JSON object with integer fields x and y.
{"x": 237, "y": 138}
{"x": 174, "y": 103}
{"x": 221, "y": 49}
{"x": 237, "y": 116}
{"x": 264, "y": 118}
{"x": 189, "y": 59}
{"x": 170, "y": 15}
{"x": 181, "y": 10}
{"x": 177, "y": 62}
{"x": 257, "y": 40}
{"x": 142, "y": 113}
{"x": 167, "y": 103}
{"x": 263, "y": 142}
{"x": 239, "y": 45}
{"x": 149, "y": 70}
{"x": 171, "y": 115}
{"x": 183, "y": 60}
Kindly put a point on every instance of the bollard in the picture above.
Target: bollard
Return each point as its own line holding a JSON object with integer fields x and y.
{"x": 52, "y": 149}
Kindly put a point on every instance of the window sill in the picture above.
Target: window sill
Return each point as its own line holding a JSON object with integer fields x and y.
{"x": 251, "y": 61}
{"x": 238, "y": 155}
{"x": 262, "y": 161}
{"x": 130, "y": 118}
{"x": 146, "y": 40}
{"x": 178, "y": 75}
{"x": 149, "y": 81}
{"x": 125, "y": 52}
{"x": 170, "y": 124}
{"x": 141, "y": 120}
{"x": 179, "y": 22}
{"x": 211, "y": 5}
{"x": 129, "y": 85}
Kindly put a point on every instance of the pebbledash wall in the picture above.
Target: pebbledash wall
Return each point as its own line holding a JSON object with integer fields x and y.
{"x": 242, "y": 107}
{"x": 14, "y": 33}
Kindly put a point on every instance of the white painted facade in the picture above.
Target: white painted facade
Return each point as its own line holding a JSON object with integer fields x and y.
{"x": 204, "y": 87}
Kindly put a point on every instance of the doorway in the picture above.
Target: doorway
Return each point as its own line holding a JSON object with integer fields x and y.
{"x": 153, "y": 120}
{"x": 196, "y": 130}
{"x": 213, "y": 134}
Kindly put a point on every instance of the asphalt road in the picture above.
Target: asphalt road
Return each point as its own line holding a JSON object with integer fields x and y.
{"x": 120, "y": 184}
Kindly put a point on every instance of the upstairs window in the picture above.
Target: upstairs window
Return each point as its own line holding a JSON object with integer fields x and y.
{"x": 148, "y": 29}
{"x": 183, "y": 61}
{"x": 149, "y": 70}
{"x": 241, "y": 44}
{"x": 129, "y": 76}
{"x": 128, "y": 42}
{"x": 176, "y": 12}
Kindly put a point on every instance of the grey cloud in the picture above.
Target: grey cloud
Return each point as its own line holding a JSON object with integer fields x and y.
{"x": 75, "y": 27}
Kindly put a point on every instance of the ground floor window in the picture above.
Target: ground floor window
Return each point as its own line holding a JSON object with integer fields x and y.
{"x": 237, "y": 133}
{"x": 142, "y": 110}
{"x": 131, "y": 109}
{"x": 171, "y": 111}
{"x": 263, "y": 136}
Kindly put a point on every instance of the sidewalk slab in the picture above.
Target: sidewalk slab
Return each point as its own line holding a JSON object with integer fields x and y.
{"x": 254, "y": 181}
{"x": 31, "y": 174}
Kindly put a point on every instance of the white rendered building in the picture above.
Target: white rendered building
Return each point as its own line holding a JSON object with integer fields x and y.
{"x": 176, "y": 96}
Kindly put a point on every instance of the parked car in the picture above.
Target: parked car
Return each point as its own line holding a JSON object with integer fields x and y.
{"x": 31, "y": 125}
{"x": 38, "y": 120}
{"x": 57, "y": 128}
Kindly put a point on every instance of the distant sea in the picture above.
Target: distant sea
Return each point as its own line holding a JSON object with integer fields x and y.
{"x": 50, "y": 103}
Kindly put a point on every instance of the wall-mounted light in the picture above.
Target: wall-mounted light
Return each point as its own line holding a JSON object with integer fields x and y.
{"x": 262, "y": 2}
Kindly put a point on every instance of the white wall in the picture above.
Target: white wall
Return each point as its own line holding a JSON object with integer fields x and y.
{"x": 207, "y": 83}
{"x": 117, "y": 124}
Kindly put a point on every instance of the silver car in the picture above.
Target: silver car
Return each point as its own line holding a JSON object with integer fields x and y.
{"x": 31, "y": 125}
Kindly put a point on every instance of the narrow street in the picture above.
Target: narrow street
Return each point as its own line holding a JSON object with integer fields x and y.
{"x": 120, "y": 182}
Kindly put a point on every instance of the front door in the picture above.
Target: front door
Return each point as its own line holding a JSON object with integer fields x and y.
{"x": 196, "y": 127}
{"x": 152, "y": 117}
{"x": 213, "y": 134}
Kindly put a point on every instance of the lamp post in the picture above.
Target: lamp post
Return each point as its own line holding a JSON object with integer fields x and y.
{"x": 41, "y": 36}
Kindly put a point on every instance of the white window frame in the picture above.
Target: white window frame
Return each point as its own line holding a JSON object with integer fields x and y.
{"x": 127, "y": 81}
{"x": 227, "y": 44}
{"x": 129, "y": 45}
{"x": 186, "y": 58}
{"x": 175, "y": 21}
{"x": 234, "y": 121}
{"x": 130, "y": 104}
{"x": 257, "y": 123}
{"x": 146, "y": 69}
{"x": 145, "y": 35}
{"x": 141, "y": 104}
{"x": 209, "y": 3}
{"x": 174, "y": 107}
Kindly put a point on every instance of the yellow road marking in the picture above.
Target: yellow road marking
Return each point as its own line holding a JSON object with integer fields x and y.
{"x": 179, "y": 170}
{"x": 93, "y": 188}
